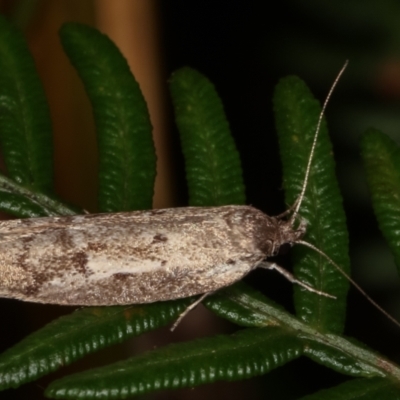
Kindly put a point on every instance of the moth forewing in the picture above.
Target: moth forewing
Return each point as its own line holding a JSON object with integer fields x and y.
{"x": 297, "y": 114}
{"x": 132, "y": 257}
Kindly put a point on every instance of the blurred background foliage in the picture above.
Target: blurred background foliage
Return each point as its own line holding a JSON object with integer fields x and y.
{"x": 243, "y": 48}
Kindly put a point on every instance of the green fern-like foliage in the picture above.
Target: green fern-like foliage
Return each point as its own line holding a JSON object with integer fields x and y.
{"x": 269, "y": 336}
{"x": 382, "y": 164}
{"x": 296, "y": 114}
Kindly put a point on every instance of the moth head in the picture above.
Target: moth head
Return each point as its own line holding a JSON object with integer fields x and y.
{"x": 290, "y": 234}
{"x": 273, "y": 233}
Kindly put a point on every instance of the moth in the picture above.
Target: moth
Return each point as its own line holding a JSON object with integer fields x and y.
{"x": 145, "y": 256}
{"x": 135, "y": 257}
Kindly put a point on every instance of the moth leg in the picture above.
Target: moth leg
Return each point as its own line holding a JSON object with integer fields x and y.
{"x": 188, "y": 309}
{"x": 290, "y": 277}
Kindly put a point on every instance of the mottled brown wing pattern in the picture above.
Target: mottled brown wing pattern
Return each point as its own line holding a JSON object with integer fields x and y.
{"x": 125, "y": 258}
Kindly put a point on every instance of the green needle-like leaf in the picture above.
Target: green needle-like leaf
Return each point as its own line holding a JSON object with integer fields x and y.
{"x": 296, "y": 113}
{"x": 382, "y": 163}
{"x": 338, "y": 359}
{"x": 236, "y": 303}
{"x": 213, "y": 170}
{"x": 246, "y": 307}
{"x": 124, "y": 134}
{"x": 25, "y": 127}
{"x": 88, "y": 330}
{"x": 20, "y": 206}
{"x": 213, "y": 167}
{"x": 359, "y": 389}
{"x": 29, "y": 203}
{"x": 247, "y": 353}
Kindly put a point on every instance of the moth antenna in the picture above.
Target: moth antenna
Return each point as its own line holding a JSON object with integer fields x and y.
{"x": 300, "y": 199}
{"x": 356, "y": 285}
